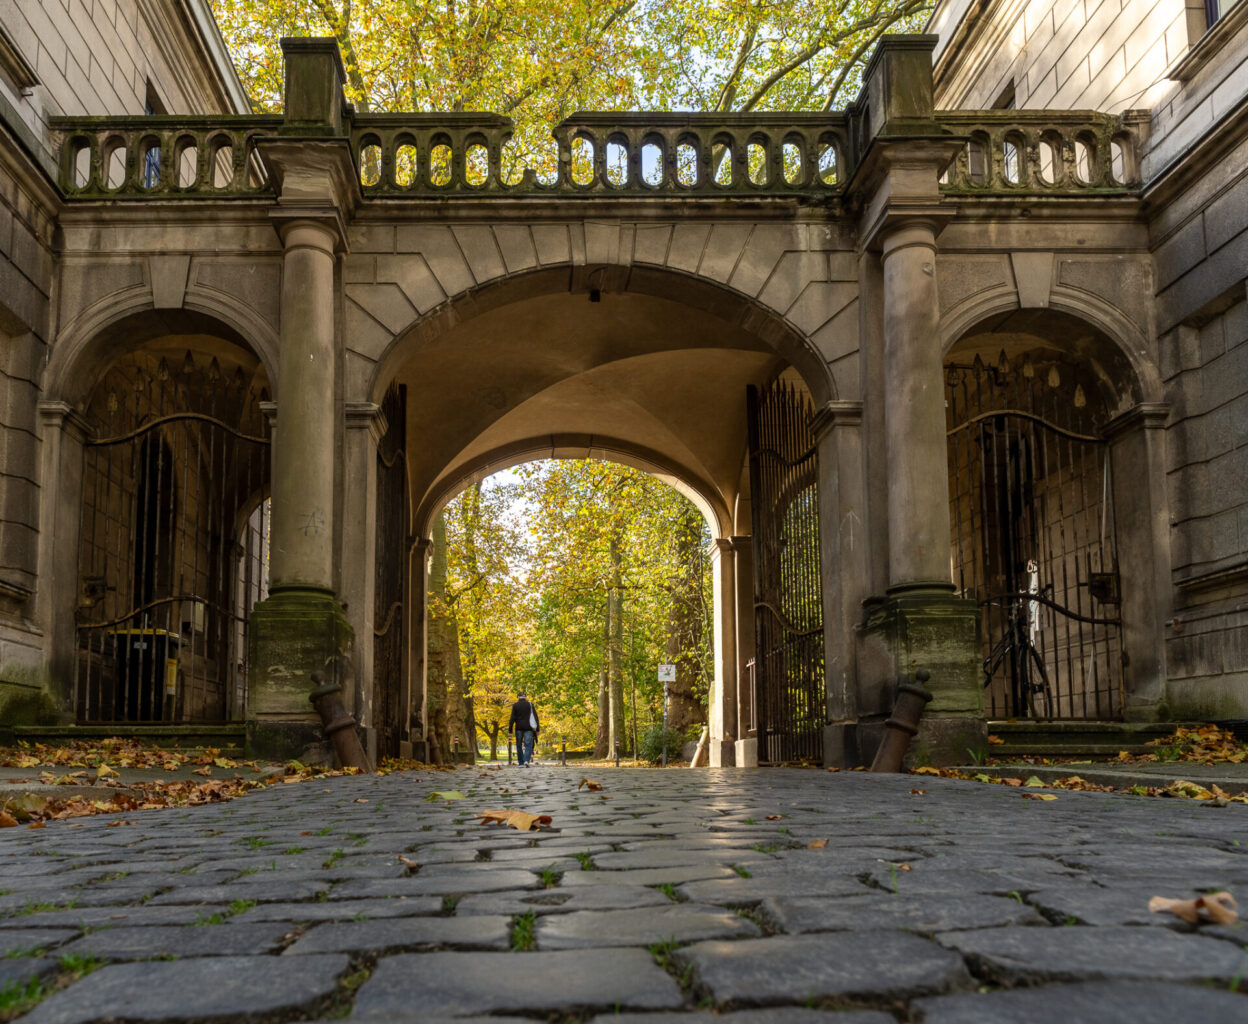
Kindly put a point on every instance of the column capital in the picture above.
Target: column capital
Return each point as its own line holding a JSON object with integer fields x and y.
{"x": 835, "y": 414}
{"x": 63, "y": 416}
{"x": 725, "y": 545}
{"x": 366, "y": 416}
{"x": 316, "y": 184}
{"x": 1145, "y": 416}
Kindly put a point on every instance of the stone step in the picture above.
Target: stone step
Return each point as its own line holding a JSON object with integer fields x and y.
{"x": 1077, "y": 738}
{"x": 227, "y": 738}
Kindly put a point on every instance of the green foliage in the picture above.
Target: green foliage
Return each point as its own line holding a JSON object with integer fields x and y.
{"x": 651, "y": 743}
{"x": 524, "y": 933}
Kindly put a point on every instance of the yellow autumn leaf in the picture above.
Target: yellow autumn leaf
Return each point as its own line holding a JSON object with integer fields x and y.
{"x": 816, "y": 844}
{"x": 590, "y": 784}
{"x": 1188, "y": 790}
{"x": 103, "y": 771}
{"x": 449, "y": 794}
{"x": 1039, "y": 796}
{"x": 925, "y": 770}
{"x": 520, "y": 820}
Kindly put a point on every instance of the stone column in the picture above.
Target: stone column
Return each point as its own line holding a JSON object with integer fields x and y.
{"x": 723, "y": 700}
{"x": 412, "y": 696}
{"x": 842, "y": 546}
{"x": 364, "y": 429}
{"x": 300, "y": 628}
{"x": 914, "y": 412}
{"x": 745, "y": 754}
{"x": 919, "y": 621}
{"x": 62, "y": 432}
{"x": 1141, "y": 520}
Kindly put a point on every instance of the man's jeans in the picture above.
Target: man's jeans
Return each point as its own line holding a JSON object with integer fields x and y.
{"x": 524, "y": 744}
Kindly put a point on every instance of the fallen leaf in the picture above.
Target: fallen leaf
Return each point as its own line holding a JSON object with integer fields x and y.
{"x": 7, "y": 820}
{"x": 774, "y": 817}
{"x": 1033, "y": 781}
{"x": 120, "y": 821}
{"x": 925, "y": 770}
{"x": 450, "y": 794}
{"x": 1188, "y": 790}
{"x": 918, "y": 792}
{"x": 205, "y": 770}
{"x": 408, "y": 862}
{"x": 816, "y": 844}
{"x": 834, "y": 769}
{"x": 995, "y": 740}
{"x": 361, "y": 800}
{"x": 593, "y": 786}
{"x": 38, "y": 824}
{"x": 1217, "y": 907}
{"x": 103, "y": 771}
{"x": 1011, "y": 782}
{"x": 520, "y": 820}
{"x": 1038, "y": 796}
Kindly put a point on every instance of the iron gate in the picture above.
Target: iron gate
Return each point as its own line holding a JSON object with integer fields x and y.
{"x": 392, "y": 544}
{"x": 173, "y": 525}
{"x": 1033, "y": 535}
{"x": 790, "y": 687}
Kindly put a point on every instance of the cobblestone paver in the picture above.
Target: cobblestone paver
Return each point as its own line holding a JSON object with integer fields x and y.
{"x": 681, "y": 895}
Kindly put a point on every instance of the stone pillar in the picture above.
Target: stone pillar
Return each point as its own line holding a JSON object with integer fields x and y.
{"x": 1137, "y": 467}
{"x": 917, "y": 622}
{"x": 300, "y": 627}
{"x": 62, "y": 432}
{"x": 920, "y": 621}
{"x": 842, "y": 546}
{"x": 412, "y": 696}
{"x": 722, "y": 713}
{"x": 364, "y": 429}
{"x": 745, "y": 754}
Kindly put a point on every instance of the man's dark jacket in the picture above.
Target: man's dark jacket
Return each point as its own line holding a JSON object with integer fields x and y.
{"x": 520, "y": 712}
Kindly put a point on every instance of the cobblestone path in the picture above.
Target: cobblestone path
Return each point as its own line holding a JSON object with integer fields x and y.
{"x": 670, "y": 894}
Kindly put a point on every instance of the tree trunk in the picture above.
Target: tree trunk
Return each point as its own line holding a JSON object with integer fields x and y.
{"x": 616, "y": 657}
{"x": 602, "y": 737}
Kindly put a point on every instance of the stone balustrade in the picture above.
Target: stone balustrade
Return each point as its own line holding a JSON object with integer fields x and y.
{"x": 211, "y": 156}
{"x": 1008, "y": 152}
{"x": 1039, "y": 152}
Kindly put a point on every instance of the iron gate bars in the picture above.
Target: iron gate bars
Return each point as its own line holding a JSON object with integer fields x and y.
{"x": 1033, "y": 537}
{"x": 790, "y": 694}
{"x": 172, "y": 530}
{"x": 392, "y": 547}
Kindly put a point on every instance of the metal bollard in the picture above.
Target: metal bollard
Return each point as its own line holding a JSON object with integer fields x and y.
{"x": 902, "y": 724}
{"x": 563, "y": 753}
{"x": 617, "y": 753}
{"x": 509, "y": 750}
{"x": 339, "y": 727}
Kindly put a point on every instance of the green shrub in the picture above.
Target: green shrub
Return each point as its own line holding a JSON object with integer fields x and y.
{"x": 650, "y": 743}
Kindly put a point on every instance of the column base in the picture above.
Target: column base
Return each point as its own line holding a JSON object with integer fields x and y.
{"x": 722, "y": 753}
{"x": 291, "y": 634}
{"x": 928, "y": 627}
{"x": 745, "y": 753}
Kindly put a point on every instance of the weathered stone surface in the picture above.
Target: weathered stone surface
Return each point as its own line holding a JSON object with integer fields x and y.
{"x": 643, "y": 927}
{"x": 19, "y": 970}
{"x": 1028, "y": 955}
{"x": 444, "y": 884}
{"x": 173, "y": 940}
{"x": 222, "y": 987}
{"x": 1138, "y": 1002}
{"x": 405, "y": 933}
{"x": 793, "y": 969}
{"x": 466, "y": 983}
{"x": 20, "y": 942}
{"x": 344, "y": 910}
{"x": 278, "y": 890}
{"x": 108, "y": 917}
{"x": 922, "y": 914}
{"x": 674, "y": 875}
{"x": 771, "y": 1015}
{"x": 736, "y": 891}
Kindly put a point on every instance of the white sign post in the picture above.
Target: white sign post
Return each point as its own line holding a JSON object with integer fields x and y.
{"x": 667, "y": 674}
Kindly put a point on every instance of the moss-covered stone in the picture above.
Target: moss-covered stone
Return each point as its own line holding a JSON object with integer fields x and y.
{"x": 934, "y": 630}
{"x": 27, "y": 707}
{"x": 292, "y": 634}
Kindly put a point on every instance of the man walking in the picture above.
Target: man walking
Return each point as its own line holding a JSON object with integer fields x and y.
{"x": 525, "y": 725}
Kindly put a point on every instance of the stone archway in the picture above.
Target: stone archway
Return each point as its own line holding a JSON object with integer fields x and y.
{"x": 1054, "y": 523}
{"x": 154, "y": 465}
{"x": 532, "y": 366}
